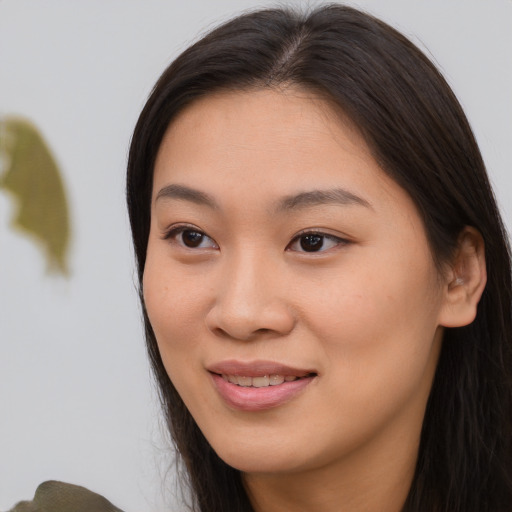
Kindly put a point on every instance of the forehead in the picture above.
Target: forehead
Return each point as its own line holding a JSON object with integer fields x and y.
{"x": 268, "y": 105}
{"x": 266, "y": 130}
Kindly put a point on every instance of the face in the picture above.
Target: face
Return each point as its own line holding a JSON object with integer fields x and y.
{"x": 289, "y": 284}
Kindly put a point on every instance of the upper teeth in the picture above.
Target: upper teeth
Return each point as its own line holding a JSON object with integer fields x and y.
{"x": 258, "y": 382}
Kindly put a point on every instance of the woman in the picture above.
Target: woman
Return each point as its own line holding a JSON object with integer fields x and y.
{"x": 324, "y": 274}
{"x": 308, "y": 205}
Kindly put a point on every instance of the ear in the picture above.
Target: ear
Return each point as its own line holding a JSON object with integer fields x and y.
{"x": 465, "y": 280}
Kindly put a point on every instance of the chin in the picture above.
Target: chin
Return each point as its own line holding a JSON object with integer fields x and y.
{"x": 258, "y": 464}
{"x": 259, "y": 458}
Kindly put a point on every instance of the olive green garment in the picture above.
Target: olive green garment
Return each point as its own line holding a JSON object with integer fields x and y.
{"x": 60, "y": 497}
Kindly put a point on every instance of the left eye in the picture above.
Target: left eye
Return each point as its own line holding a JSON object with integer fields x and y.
{"x": 314, "y": 242}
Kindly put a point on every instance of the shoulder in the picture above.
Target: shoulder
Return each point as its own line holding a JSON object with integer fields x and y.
{"x": 55, "y": 496}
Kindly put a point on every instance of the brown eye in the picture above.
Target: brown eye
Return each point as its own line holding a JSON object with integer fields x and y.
{"x": 311, "y": 243}
{"x": 192, "y": 238}
{"x": 315, "y": 242}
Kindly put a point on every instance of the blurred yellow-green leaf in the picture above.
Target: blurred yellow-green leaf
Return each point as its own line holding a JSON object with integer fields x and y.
{"x": 32, "y": 177}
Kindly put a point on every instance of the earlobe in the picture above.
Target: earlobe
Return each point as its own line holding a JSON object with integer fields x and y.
{"x": 465, "y": 280}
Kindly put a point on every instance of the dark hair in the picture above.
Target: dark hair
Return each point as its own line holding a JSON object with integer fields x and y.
{"x": 419, "y": 135}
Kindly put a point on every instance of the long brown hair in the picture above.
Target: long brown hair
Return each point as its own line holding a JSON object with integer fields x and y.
{"x": 419, "y": 135}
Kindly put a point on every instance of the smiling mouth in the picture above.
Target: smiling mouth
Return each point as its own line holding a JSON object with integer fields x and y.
{"x": 261, "y": 381}
{"x": 259, "y": 385}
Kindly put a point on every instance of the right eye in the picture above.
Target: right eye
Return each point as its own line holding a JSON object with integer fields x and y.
{"x": 191, "y": 238}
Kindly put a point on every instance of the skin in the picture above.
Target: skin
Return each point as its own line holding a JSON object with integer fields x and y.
{"x": 366, "y": 312}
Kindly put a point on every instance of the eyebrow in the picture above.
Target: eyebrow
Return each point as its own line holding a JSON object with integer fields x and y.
{"x": 338, "y": 196}
{"x": 182, "y": 193}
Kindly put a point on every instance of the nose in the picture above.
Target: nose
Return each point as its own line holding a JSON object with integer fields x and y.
{"x": 250, "y": 301}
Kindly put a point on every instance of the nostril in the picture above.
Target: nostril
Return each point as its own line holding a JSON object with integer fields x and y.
{"x": 262, "y": 331}
{"x": 221, "y": 333}
{"x": 241, "y": 334}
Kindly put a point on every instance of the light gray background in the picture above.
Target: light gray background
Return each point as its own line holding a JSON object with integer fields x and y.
{"x": 76, "y": 400}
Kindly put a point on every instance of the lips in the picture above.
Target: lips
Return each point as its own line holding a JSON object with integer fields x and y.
{"x": 258, "y": 382}
{"x": 258, "y": 385}
{"x": 257, "y": 369}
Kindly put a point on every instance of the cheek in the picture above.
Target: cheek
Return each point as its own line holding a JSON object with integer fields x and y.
{"x": 174, "y": 306}
{"x": 377, "y": 325}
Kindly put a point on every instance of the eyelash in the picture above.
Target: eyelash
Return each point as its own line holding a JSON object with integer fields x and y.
{"x": 314, "y": 236}
{"x": 175, "y": 231}
{"x": 337, "y": 241}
